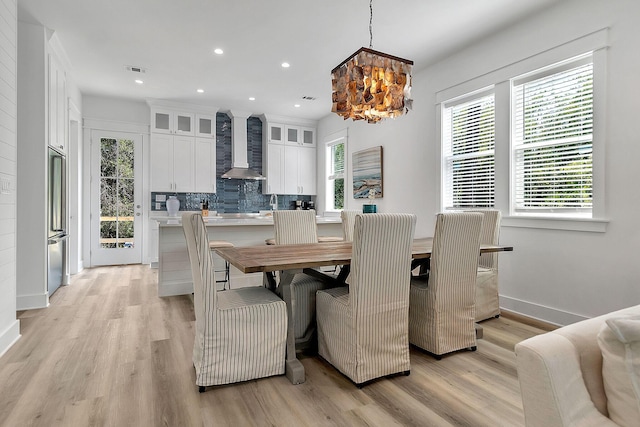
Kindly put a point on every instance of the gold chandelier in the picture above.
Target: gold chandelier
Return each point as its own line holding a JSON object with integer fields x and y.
{"x": 371, "y": 85}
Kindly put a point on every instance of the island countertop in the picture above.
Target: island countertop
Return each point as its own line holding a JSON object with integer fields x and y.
{"x": 233, "y": 220}
{"x": 174, "y": 271}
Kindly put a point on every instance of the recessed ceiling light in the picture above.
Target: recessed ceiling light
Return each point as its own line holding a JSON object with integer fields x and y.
{"x": 200, "y": 90}
{"x": 139, "y": 81}
{"x": 285, "y": 65}
{"x": 297, "y": 105}
{"x": 218, "y": 51}
{"x": 251, "y": 98}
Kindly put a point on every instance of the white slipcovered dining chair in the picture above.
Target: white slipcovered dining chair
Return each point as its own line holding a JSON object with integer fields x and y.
{"x": 348, "y": 218}
{"x": 241, "y": 333}
{"x": 442, "y": 308}
{"x": 363, "y": 328}
{"x": 293, "y": 227}
{"x": 487, "y": 299}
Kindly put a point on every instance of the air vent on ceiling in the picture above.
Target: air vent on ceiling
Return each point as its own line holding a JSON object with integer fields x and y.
{"x": 135, "y": 69}
{"x": 309, "y": 98}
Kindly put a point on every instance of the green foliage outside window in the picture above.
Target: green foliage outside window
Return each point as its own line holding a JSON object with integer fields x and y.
{"x": 338, "y": 193}
{"x": 116, "y": 193}
{"x": 337, "y": 153}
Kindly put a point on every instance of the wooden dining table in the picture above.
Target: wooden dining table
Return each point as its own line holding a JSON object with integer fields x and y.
{"x": 290, "y": 260}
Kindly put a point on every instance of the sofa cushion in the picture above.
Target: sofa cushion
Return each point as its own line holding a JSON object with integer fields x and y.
{"x": 619, "y": 341}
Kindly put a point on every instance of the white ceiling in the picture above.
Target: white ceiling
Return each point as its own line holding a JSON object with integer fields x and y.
{"x": 174, "y": 39}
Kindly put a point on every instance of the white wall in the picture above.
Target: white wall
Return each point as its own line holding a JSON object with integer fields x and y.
{"x": 74, "y": 161}
{"x": 36, "y": 44}
{"x": 406, "y": 159}
{"x": 32, "y": 167}
{"x": 559, "y": 276}
{"x": 115, "y": 109}
{"x": 9, "y": 326}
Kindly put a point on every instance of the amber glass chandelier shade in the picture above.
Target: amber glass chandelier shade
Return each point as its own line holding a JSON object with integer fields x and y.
{"x": 371, "y": 86}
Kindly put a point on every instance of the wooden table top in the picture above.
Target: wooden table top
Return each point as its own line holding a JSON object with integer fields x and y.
{"x": 265, "y": 258}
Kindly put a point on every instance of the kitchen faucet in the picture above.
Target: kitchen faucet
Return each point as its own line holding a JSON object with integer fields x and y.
{"x": 273, "y": 201}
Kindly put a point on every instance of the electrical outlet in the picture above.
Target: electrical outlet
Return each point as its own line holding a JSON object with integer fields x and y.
{"x": 158, "y": 206}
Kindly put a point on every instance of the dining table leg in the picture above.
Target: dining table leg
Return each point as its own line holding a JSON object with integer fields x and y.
{"x": 294, "y": 370}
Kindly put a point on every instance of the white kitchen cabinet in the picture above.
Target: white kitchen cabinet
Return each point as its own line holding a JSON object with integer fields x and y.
{"x": 273, "y": 158}
{"x": 57, "y": 105}
{"x": 275, "y": 133}
{"x": 308, "y": 137}
{"x": 172, "y": 161}
{"x": 307, "y": 170}
{"x": 292, "y": 135}
{"x": 289, "y": 157}
{"x": 205, "y": 126}
{"x": 300, "y": 135}
{"x": 205, "y": 165}
{"x": 273, "y": 169}
{"x": 172, "y": 122}
{"x": 299, "y": 170}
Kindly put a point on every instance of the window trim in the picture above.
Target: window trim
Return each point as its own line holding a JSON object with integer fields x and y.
{"x": 331, "y": 140}
{"x": 452, "y": 103}
{"x": 596, "y": 43}
{"x": 516, "y": 145}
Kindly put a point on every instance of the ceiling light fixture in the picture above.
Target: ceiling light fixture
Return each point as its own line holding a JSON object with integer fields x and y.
{"x": 371, "y": 85}
{"x": 251, "y": 98}
{"x": 200, "y": 90}
{"x": 285, "y": 65}
{"x": 218, "y": 51}
{"x": 297, "y": 105}
{"x": 139, "y": 81}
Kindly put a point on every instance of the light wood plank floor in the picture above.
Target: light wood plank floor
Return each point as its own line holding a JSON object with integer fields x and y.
{"x": 109, "y": 352}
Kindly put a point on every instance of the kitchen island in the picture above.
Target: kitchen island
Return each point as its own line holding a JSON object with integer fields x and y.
{"x": 174, "y": 273}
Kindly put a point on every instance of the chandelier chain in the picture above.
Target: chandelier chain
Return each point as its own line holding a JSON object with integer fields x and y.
{"x": 370, "y": 24}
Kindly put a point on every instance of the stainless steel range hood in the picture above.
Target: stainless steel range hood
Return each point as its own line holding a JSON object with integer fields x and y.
{"x": 240, "y": 166}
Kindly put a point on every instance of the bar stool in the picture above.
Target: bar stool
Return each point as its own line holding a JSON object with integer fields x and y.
{"x": 215, "y": 244}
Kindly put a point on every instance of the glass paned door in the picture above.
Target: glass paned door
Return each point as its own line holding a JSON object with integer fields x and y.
{"x": 115, "y": 201}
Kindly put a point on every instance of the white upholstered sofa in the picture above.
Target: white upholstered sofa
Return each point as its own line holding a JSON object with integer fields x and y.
{"x": 561, "y": 373}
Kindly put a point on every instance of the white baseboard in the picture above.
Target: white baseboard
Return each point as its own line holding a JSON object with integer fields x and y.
{"x": 29, "y": 302}
{"x": 9, "y": 337}
{"x": 540, "y": 312}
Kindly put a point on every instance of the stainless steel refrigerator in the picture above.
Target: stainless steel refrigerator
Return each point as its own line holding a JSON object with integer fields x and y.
{"x": 57, "y": 215}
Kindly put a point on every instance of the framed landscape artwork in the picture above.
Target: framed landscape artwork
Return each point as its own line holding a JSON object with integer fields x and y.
{"x": 367, "y": 173}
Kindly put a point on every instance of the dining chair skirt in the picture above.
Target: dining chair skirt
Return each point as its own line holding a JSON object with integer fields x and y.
{"x": 363, "y": 328}
{"x": 240, "y": 334}
{"x": 442, "y": 309}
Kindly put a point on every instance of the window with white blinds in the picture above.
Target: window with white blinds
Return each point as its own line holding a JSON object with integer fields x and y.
{"x": 337, "y": 160}
{"x": 468, "y": 139}
{"x": 552, "y": 140}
